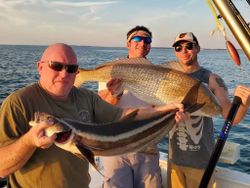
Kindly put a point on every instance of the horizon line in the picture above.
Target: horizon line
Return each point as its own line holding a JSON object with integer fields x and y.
{"x": 77, "y": 45}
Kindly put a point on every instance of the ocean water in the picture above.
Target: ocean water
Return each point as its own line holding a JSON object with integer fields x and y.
{"x": 18, "y": 69}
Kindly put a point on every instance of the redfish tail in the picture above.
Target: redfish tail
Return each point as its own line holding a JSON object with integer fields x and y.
{"x": 80, "y": 77}
{"x": 191, "y": 97}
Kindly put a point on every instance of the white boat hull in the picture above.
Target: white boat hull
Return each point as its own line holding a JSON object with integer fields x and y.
{"x": 225, "y": 178}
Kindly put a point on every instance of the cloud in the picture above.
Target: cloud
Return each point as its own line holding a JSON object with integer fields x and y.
{"x": 81, "y": 4}
{"x": 13, "y": 12}
{"x": 24, "y": 12}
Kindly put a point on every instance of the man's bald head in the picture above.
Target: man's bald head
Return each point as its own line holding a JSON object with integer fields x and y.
{"x": 53, "y": 70}
{"x": 59, "y": 52}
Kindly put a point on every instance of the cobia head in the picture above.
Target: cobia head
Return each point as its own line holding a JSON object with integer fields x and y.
{"x": 61, "y": 130}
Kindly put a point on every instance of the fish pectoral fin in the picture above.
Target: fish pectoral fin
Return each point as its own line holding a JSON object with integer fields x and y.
{"x": 130, "y": 116}
{"x": 194, "y": 107}
{"x": 80, "y": 156}
{"x": 87, "y": 154}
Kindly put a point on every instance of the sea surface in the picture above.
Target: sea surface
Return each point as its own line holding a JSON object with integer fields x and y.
{"x": 18, "y": 69}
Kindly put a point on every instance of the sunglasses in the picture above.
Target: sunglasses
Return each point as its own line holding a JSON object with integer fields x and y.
{"x": 188, "y": 46}
{"x": 147, "y": 40}
{"x": 57, "y": 66}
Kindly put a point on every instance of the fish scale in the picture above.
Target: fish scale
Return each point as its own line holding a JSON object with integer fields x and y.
{"x": 175, "y": 89}
{"x": 153, "y": 84}
{"x": 138, "y": 86}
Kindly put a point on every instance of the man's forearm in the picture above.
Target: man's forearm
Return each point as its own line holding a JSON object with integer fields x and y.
{"x": 15, "y": 155}
{"x": 149, "y": 112}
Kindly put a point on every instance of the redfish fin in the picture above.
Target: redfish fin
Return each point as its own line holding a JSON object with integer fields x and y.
{"x": 194, "y": 108}
{"x": 192, "y": 95}
{"x": 80, "y": 77}
{"x": 190, "y": 100}
{"x": 129, "y": 117}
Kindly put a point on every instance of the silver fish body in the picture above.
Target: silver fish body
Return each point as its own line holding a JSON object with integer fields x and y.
{"x": 154, "y": 84}
{"x": 87, "y": 140}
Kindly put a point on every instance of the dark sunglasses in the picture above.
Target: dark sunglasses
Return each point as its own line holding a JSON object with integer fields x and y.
{"x": 57, "y": 66}
{"x": 146, "y": 40}
{"x": 188, "y": 46}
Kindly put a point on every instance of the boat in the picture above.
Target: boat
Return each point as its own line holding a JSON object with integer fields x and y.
{"x": 225, "y": 178}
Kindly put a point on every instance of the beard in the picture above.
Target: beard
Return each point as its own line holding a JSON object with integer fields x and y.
{"x": 191, "y": 61}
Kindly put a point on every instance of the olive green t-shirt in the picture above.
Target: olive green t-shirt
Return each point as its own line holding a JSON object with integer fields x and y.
{"x": 52, "y": 167}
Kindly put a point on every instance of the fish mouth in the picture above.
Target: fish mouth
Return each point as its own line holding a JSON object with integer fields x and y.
{"x": 63, "y": 136}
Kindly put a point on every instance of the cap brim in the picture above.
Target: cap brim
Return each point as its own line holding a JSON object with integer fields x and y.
{"x": 181, "y": 41}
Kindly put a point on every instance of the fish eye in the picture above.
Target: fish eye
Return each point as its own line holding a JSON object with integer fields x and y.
{"x": 50, "y": 120}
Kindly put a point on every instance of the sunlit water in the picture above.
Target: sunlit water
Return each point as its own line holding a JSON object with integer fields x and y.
{"x": 18, "y": 68}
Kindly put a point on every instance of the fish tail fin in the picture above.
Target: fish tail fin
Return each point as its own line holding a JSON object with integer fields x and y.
{"x": 190, "y": 100}
{"x": 194, "y": 107}
{"x": 81, "y": 77}
{"x": 100, "y": 74}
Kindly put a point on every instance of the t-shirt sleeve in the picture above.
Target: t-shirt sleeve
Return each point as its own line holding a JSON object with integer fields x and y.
{"x": 13, "y": 123}
{"x": 105, "y": 112}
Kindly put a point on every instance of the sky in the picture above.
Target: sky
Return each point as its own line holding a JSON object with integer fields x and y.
{"x": 106, "y": 22}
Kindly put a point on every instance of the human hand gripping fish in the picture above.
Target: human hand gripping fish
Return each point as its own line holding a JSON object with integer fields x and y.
{"x": 38, "y": 136}
{"x": 180, "y": 115}
{"x": 114, "y": 87}
{"x": 113, "y": 92}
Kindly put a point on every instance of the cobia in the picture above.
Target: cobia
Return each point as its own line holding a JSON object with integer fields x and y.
{"x": 87, "y": 140}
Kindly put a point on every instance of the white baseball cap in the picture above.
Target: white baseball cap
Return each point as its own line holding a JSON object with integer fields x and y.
{"x": 188, "y": 36}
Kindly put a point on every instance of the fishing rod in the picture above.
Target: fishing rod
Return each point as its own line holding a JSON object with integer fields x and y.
{"x": 241, "y": 31}
{"x": 235, "y": 22}
{"x": 248, "y": 1}
{"x": 220, "y": 143}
